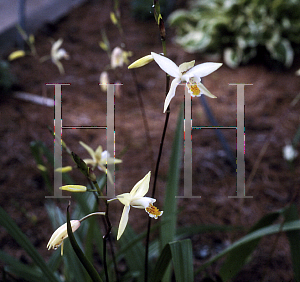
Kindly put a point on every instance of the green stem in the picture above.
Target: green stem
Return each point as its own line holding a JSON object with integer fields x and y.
{"x": 163, "y": 41}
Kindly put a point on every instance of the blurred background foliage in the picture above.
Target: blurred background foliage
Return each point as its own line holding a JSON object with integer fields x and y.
{"x": 240, "y": 29}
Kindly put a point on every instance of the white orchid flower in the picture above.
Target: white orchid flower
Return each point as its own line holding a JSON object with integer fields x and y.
{"x": 99, "y": 159}
{"x": 136, "y": 199}
{"x": 188, "y": 73}
{"x": 57, "y": 54}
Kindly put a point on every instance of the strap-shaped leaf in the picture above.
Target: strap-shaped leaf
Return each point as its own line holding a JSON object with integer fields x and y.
{"x": 291, "y": 214}
{"x": 12, "y": 228}
{"x": 237, "y": 258}
{"x": 181, "y": 254}
{"x": 275, "y": 228}
{"x": 85, "y": 262}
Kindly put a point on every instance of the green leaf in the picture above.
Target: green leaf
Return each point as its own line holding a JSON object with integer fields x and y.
{"x": 134, "y": 255}
{"x": 169, "y": 218}
{"x": 181, "y": 254}
{"x": 11, "y": 227}
{"x": 20, "y": 269}
{"x": 291, "y": 214}
{"x": 289, "y": 226}
{"x": 161, "y": 264}
{"x": 86, "y": 263}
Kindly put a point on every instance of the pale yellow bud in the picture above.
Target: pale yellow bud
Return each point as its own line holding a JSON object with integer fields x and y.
{"x": 73, "y": 188}
{"x": 16, "y": 55}
{"x": 141, "y": 62}
{"x": 31, "y": 39}
{"x": 103, "y": 45}
{"x": 104, "y": 80}
{"x": 41, "y": 167}
{"x": 113, "y": 18}
{"x": 64, "y": 169}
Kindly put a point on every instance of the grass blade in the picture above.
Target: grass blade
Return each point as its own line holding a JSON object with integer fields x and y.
{"x": 12, "y": 228}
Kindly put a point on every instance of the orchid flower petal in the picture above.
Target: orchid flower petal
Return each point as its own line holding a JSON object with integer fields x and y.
{"x": 89, "y": 161}
{"x": 166, "y": 65}
{"x": 205, "y": 91}
{"x": 88, "y": 148}
{"x": 184, "y": 67}
{"x": 99, "y": 151}
{"x": 203, "y": 69}
{"x": 142, "y": 203}
{"x": 171, "y": 93}
{"x": 56, "y": 45}
{"x": 142, "y": 187}
{"x": 124, "y": 198}
{"x": 123, "y": 221}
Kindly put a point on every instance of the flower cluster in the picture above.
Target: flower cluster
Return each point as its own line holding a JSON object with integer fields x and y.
{"x": 135, "y": 198}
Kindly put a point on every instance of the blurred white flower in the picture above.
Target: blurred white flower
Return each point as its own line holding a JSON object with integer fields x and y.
{"x": 289, "y": 153}
{"x": 57, "y": 54}
{"x": 104, "y": 80}
{"x": 99, "y": 159}
{"x": 119, "y": 57}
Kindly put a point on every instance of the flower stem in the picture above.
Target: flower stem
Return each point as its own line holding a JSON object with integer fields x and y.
{"x": 91, "y": 214}
{"x": 163, "y": 41}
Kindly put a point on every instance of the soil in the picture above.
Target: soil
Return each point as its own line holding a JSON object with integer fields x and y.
{"x": 271, "y": 122}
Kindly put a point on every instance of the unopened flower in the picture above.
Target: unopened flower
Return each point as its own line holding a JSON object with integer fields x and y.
{"x": 61, "y": 233}
{"x": 58, "y": 237}
{"x": 100, "y": 158}
{"x": 73, "y": 188}
{"x": 57, "y": 54}
{"x": 141, "y": 62}
{"x": 16, "y": 55}
{"x": 119, "y": 57}
{"x": 104, "y": 80}
{"x": 289, "y": 153}
{"x": 41, "y": 167}
{"x": 188, "y": 73}
{"x": 113, "y": 18}
{"x": 136, "y": 199}
{"x": 64, "y": 169}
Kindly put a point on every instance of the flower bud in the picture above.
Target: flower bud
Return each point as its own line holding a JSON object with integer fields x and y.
{"x": 141, "y": 62}
{"x": 73, "y": 188}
